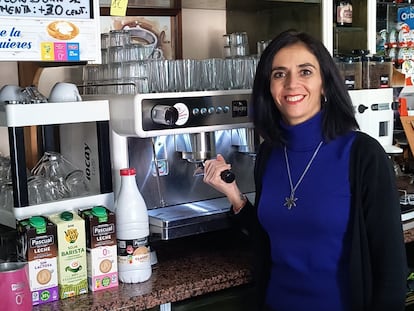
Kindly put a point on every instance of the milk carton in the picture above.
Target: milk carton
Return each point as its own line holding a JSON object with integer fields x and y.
{"x": 101, "y": 248}
{"x": 37, "y": 244}
{"x": 72, "y": 268}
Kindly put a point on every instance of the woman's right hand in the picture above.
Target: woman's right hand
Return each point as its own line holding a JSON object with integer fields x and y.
{"x": 212, "y": 176}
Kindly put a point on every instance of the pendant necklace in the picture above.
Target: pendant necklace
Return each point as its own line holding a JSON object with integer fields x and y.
{"x": 291, "y": 200}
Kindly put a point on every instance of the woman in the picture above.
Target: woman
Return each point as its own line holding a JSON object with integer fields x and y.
{"x": 326, "y": 220}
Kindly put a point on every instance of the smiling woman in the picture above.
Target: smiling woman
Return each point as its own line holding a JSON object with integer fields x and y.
{"x": 319, "y": 183}
{"x": 296, "y": 83}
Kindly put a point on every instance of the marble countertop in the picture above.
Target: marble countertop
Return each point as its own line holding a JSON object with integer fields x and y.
{"x": 187, "y": 267}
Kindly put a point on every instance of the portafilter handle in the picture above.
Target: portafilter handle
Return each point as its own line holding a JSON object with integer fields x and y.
{"x": 227, "y": 176}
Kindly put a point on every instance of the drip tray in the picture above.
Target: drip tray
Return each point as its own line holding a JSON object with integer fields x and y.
{"x": 188, "y": 219}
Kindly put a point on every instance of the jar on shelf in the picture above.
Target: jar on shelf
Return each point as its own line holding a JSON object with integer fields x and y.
{"x": 376, "y": 72}
{"x": 350, "y": 67}
{"x": 343, "y": 13}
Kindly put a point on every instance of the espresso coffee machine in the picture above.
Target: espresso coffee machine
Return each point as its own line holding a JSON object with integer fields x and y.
{"x": 375, "y": 115}
{"x": 167, "y": 137}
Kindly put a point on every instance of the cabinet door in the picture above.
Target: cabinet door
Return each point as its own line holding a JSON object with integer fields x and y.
{"x": 362, "y": 33}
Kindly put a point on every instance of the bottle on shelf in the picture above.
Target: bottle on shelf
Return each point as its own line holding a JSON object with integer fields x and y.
{"x": 132, "y": 231}
{"x": 343, "y": 13}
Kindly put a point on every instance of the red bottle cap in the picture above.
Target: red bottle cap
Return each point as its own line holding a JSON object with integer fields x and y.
{"x": 128, "y": 171}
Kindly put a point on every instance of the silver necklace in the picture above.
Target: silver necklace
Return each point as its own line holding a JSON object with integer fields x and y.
{"x": 290, "y": 201}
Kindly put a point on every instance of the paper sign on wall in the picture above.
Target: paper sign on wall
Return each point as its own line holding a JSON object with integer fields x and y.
{"x": 118, "y": 7}
{"x": 49, "y": 30}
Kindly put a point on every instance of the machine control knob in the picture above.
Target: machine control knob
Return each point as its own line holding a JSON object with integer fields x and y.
{"x": 227, "y": 176}
{"x": 164, "y": 114}
{"x": 362, "y": 108}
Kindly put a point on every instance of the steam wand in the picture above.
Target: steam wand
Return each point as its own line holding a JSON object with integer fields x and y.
{"x": 227, "y": 175}
{"x": 157, "y": 170}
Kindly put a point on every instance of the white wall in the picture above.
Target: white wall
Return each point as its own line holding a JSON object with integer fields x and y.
{"x": 8, "y": 75}
{"x": 203, "y": 32}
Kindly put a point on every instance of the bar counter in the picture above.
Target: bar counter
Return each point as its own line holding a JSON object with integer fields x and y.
{"x": 187, "y": 267}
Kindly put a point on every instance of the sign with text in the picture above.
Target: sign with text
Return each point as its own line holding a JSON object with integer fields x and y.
{"x": 49, "y": 30}
{"x": 47, "y": 8}
{"x": 406, "y": 15}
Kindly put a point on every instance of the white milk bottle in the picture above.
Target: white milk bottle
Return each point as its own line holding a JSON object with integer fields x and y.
{"x": 132, "y": 231}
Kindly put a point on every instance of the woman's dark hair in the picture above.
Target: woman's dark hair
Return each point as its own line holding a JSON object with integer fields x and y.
{"x": 338, "y": 116}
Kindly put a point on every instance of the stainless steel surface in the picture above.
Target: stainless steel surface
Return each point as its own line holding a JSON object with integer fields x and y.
{"x": 187, "y": 219}
{"x": 177, "y": 183}
{"x": 245, "y": 139}
{"x": 196, "y": 147}
{"x": 166, "y": 155}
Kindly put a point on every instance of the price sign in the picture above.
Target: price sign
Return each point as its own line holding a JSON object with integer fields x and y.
{"x": 46, "y": 8}
{"x": 50, "y": 30}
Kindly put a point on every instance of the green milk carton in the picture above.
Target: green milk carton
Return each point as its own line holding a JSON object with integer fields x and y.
{"x": 72, "y": 267}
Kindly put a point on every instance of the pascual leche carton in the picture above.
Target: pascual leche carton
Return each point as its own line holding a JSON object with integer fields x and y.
{"x": 72, "y": 268}
{"x": 101, "y": 248}
{"x": 37, "y": 244}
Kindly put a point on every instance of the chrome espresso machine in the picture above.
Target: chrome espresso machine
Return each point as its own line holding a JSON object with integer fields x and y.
{"x": 167, "y": 137}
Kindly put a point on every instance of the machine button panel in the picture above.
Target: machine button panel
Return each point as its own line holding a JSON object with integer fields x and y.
{"x": 239, "y": 108}
{"x": 196, "y": 111}
{"x": 204, "y": 111}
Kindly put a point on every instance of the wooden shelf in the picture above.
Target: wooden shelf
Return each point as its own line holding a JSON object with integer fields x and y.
{"x": 348, "y": 29}
{"x": 398, "y": 78}
{"x": 16, "y": 115}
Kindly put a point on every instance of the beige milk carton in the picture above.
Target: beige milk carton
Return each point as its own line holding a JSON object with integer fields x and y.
{"x": 37, "y": 245}
{"x": 101, "y": 248}
{"x": 72, "y": 269}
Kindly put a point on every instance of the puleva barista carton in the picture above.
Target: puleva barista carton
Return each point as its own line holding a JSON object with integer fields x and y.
{"x": 101, "y": 248}
{"x": 72, "y": 269}
{"x": 37, "y": 244}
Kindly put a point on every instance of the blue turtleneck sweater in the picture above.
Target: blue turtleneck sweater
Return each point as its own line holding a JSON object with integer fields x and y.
{"x": 308, "y": 246}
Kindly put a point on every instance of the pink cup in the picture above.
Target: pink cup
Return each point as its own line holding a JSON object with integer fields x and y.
{"x": 14, "y": 287}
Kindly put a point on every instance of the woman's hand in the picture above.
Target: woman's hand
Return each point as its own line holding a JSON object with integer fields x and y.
{"x": 212, "y": 171}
